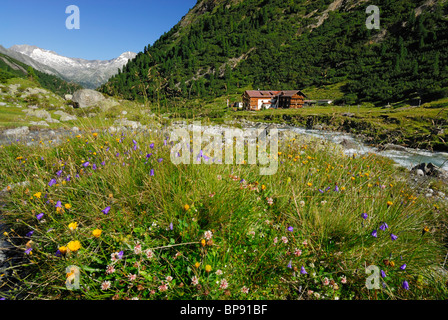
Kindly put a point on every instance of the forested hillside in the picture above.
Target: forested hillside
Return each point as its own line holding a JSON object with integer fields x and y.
{"x": 11, "y": 68}
{"x": 225, "y": 46}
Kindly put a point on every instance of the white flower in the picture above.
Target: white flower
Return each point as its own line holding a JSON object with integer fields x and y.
{"x": 169, "y": 278}
{"x": 105, "y": 285}
{"x": 138, "y": 249}
{"x": 245, "y": 290}
{"x": 218, "y": 272}
{"x": 110, "y": 269}
{"x": 208, "y": 235}
{"x": 223, "y": 284}
{"x": 194, "y": 281}
{"x": 149, "y": 253}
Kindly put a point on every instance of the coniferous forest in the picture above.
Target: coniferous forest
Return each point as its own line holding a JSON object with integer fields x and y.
{"x": 224, "y": 47}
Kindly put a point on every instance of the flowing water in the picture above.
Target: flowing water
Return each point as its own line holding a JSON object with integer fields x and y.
{"x": 406, "y": 157}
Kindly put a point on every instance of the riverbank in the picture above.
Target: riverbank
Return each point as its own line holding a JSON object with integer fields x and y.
{"x": 423, "y": 127}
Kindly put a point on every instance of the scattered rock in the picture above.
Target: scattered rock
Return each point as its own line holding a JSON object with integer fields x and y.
{"x": 430, "y": 170}
{"x": 39, "y": 123}
{"x": 389, "y": 146}
{"x": 21, "y": 131}
{"x": 68, "y": 97}
{"x": 348, "y": 114}
{"x": 65, "y": 116}
{"x": 128, "y": 123}
{"x": 87, "y": 97}
{"x": 347, "y": 144}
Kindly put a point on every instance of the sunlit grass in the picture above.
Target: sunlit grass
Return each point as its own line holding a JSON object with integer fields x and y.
{"x": 216, "y": 231}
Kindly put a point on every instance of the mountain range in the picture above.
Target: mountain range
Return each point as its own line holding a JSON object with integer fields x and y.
{"x": 223, "y": 47}
{"x": 88, "y": 73}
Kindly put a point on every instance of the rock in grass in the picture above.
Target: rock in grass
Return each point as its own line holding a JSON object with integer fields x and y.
{"x": 85, "y": 98}
{"x": 21, "y": 131}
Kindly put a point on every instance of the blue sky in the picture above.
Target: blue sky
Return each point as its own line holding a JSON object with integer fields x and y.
{"x": 107, "y": 27}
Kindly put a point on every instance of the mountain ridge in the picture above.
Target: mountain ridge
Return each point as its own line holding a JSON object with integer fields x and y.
{"x": 295, "y": 45}
{"x": 88, "y": 73}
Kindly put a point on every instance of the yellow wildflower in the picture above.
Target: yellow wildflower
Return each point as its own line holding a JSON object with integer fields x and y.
{"x": 74, "y": 246}
{"x": 67, "y": 206}
{"x": 186, "y": 207}
{"x": 73, "y": 226}
{"x": 37, "y": 195}
{"x": 197, "y": 264}
{"x": 96, "y": 233}
{"x": 63, "y": 249}
{"x": 208, "y": 268}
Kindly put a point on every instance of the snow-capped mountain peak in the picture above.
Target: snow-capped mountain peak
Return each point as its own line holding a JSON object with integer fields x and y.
{"x": 89, "y": 73}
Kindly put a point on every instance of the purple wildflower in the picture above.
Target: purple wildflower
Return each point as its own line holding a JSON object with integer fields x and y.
{"x": 151, "y": 173}
{"x": 405, "y": 285}
{"x": 374, "y": 234}
{"x": 94, "y": 166}
{"x": 58, "y": 173}
{"x": 148, "y": 155}
{"x": 29, "y": 234}
{"x": 364, "y": 216}
{"x": 384, "y": 226}
{"x": 336, "y": 188}
{"x": 28, "y": 251}
{"x": 151, "y": 145}
{"x": 303, "y": 271}
{"x": 290, "y": 229}
{"x": 160, "y": 160}
{"x": 289, "y": 265}
{"x": 86, "y": 164}
{"x": 58, "y": 204}
{"x": 120, "y": 255}
{"x": 393, "y": 237}
{"x": 106, "y": 210}
{"x": 39, "y": 216}
{"x": 52, "y": 182}
{"x": 171, "y": 226}
{"x": 403, "y": 267}
{"x": 383, "y": 274}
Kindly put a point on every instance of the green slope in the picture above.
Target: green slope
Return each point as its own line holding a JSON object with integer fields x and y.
{"x": 11, "y": 68}
{"x": 226, "y": 46}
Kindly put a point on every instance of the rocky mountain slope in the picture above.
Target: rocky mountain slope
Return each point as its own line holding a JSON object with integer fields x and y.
{"x": 223, "y": 47}
{"x": 88, "y": 73}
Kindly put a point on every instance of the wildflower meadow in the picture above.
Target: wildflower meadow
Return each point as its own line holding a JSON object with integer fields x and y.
{"x": 109, "y": 216}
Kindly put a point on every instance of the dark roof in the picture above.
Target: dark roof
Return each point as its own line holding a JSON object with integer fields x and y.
{"x": 272, "y": 93}
{"x": 290, "y": 93}
{"x": 261, "y": 93}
